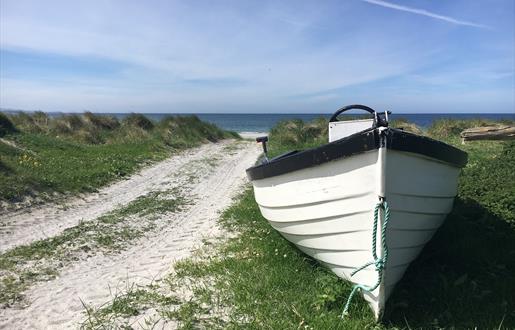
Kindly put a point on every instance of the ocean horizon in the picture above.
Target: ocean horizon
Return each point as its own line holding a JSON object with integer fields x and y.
{"x": 263, "y": 122}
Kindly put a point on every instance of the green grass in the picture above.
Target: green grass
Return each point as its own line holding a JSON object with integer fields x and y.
{"x": 72, "y": 153}
{"x": 40, "y": 261}
{"x": 128, "y": 303}
{"x": 255, "y": 280}
{"x": 464, "y": 278}
{"x": 265, "y": 282}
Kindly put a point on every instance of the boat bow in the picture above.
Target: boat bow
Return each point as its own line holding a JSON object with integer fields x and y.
{"x": 363, "y": 205}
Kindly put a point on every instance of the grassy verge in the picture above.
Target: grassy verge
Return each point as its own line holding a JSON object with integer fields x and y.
{"x": 261, "y": 281}
{"x": 41, "y": 260}
{"x": 464, "y": 278}
{"x": 126, "y": 306}
{"x": 254, "y": 280}
{"x": 79, "y": 153}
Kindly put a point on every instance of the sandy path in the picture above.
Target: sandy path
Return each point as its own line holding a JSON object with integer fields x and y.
{"x": 57, "y": 304}
{"x": 32, "y": 224}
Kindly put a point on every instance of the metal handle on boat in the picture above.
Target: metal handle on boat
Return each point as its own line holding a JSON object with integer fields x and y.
{"x": 263, "y": 140}
{"x": 378, "y": 121}
{"x": 350, "y": 107}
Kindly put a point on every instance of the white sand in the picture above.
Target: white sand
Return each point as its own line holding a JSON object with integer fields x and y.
{"x": 252, "y": 135}
{"x": 31, "y": 224}
{"x": 57, "y": 304}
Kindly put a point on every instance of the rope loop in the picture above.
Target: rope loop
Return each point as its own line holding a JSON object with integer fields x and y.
{"x": 378, "y": 262}
{"x": 379, "y": 265}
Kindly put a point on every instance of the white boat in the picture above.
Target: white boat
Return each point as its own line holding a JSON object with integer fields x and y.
{"x": 323, "y": 199}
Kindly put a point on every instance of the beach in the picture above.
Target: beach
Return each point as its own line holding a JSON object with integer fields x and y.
{"x": 145, "y": 224}
{"x": 257, "y": 165}
{"x": 209, "y": 177}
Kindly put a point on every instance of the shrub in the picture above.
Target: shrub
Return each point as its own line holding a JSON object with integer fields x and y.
{"x": 287, "y": 132}
{"x": 59, "y": 127}
{"x": 138, "y": 120}
{"x": 293, "y": 133}
{"x": 187, "y": 131}
{"x": 405, "y": 125}
{"x": 74, "y": 122}
{"x": 6, "y": 125}
{"x": 25, "y": 122}
{"x": 232, "y": 135}
{"x": 91, "y": 136}
{"x": 41, "y": 119}
{"x": 127, "y": 134}
{"x": 101, "y": 121}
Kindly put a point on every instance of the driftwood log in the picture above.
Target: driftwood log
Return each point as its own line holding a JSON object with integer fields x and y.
{"x": 488, "y": 133}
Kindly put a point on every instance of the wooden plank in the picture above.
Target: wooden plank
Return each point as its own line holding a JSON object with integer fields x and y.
{"x": 489, "y": 133}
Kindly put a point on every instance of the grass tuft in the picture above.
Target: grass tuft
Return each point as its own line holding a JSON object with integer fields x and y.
{"x": 130, "y": 302}
{"x": 139, "y": 121}
{"x": 102, "y": 121}
{"x": 80, "y": 153}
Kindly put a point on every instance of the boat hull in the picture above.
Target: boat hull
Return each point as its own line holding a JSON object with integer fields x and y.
{"x": 327, "y": 211}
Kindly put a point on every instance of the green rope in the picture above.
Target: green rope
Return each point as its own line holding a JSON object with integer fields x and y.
{"x": 379, "y": 263}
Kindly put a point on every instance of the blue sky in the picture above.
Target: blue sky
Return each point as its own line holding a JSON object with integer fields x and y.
{"x": 414, "y": 56}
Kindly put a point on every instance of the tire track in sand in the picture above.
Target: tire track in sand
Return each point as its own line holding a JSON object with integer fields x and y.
{"x": 57, "y": 304}
{"x": 40, "y": 222}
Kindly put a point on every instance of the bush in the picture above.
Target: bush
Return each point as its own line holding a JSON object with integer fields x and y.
{"x": 406, "y": 126}
{"x": 138, "y": 120}
{"x": 232, "y": 135}
{"x": 89, "y": 136}
{"x": 41, "y": 119}
{"x": 101, "y": 121}
{"x": 291, "y": 134}
{"x": 127, "y": 134}
{"x": 25, "y": 122}
{"x": 74, "y": 122}
{"x": 6, "y": 125}
{"x": 187, "y": 131}
{"x": 59, "y": 127}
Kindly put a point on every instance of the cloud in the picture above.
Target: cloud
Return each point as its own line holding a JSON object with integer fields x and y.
{"x": 244, "y": 56}
{"x": 210, "y": 56}
{"x": 424, "y": 12}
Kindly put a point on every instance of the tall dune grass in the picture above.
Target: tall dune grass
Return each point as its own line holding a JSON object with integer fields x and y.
{"x": 81, "y": 152}
{"x": 6, "y": 125}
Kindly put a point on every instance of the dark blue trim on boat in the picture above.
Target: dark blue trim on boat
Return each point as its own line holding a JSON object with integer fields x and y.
{"x": 358, "y": 143}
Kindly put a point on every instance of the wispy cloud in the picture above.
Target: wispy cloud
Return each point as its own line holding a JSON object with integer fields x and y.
{"x": 427, "y": 13}
{"x": 247, "y": 56}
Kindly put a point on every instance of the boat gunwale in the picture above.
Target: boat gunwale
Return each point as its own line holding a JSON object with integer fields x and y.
{"x": 361, "y": 142}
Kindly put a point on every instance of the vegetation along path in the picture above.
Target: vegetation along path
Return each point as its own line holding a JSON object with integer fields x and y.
{"x": 39, "y": 222}
{"x": 56, "y": 259}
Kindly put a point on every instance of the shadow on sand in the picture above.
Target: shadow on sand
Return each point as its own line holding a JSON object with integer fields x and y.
{"x": 464, "y": 278}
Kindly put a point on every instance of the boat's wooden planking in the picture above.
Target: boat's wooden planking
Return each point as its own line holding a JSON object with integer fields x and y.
{"x": 327, "y": 211}
{"x": 333, "y": 180}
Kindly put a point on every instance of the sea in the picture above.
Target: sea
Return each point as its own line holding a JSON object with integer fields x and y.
{"x": 263, "y": 122}
{"x": 251, "y": 122}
